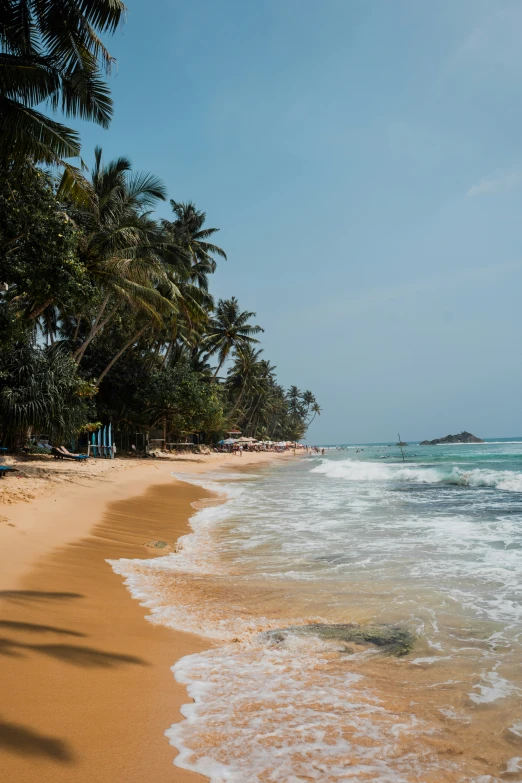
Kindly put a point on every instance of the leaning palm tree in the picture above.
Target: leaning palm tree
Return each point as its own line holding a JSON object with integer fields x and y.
{"x": 244, "y": 373}
{"x": 188, "y": 233}
{"x": 316, "y": 410}
{"x": 51, "y": 52}
{"x": 229, "y": 329}
{"x": 121, "y": 250}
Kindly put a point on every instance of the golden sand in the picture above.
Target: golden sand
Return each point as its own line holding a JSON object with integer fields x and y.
{"x": 86, "y": 686}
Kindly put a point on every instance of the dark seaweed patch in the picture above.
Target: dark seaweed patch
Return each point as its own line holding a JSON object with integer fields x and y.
{"x": 392, "y": 639}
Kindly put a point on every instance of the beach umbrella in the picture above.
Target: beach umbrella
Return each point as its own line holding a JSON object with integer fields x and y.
{"x": 229, "y": 441}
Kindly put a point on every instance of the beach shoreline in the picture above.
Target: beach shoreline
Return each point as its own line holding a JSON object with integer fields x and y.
{"x": 87, "y": 684}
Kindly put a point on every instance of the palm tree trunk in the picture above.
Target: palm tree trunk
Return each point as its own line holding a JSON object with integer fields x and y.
{"x": 238, "y": 399}
{"x": 218, "y": 368}
{"x": 76, "y": 329}
{"x": 50, "y": 327}
{"x": 167, "y": 352}
{"x": 122, "y": 351}
{"x": 92, "y": 332}
{"x": 39, "y": 310}
{"x": 95, "y": 329}
{"x": 254, "y": 411}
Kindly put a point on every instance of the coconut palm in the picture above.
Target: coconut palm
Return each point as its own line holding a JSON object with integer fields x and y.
{"x": 229, "y": 329}
{"x": 243, "y": 374}
{"x": 121, "y": 249}
{"x": 51, "y": 52}
{"x": 188, "y": 233}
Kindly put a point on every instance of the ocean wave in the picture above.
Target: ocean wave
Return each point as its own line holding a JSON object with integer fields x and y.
{"x": 292, "y": 713}
{"x": 353, "y": 470}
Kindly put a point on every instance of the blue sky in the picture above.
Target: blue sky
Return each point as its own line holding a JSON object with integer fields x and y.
{"x": 363, "y": 160}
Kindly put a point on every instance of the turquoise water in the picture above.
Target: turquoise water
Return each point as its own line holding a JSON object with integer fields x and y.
{"x": 432, "y": 544}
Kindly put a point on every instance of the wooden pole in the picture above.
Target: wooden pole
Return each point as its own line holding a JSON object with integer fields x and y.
{"x": 400, "y": 446}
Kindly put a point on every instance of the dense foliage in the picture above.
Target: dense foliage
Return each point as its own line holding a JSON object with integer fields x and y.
{"x": 105, "y": 311}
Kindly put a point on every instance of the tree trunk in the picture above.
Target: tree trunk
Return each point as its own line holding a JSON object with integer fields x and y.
{"x": 122, "y": 351}
{"x": 95, "y": 328}
{"x": 39, "y": 310}
{"x": 167, "y": 352}
{"x": 218, "y": 368}
{"x": 258, "y": 403}
{"x": 50, "y": 327}
{"x": 238, "y": 399}
{"x": 76, "y": 329}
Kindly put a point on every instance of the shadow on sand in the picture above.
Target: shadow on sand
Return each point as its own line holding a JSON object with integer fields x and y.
{"x": 25, "y": 742}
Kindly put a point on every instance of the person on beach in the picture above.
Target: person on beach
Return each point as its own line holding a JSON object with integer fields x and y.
{"x": 241, "y": 451}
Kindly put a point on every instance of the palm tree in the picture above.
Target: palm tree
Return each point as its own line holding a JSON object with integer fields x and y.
{"x": 188, "y": 234}
{"x": 311, "y": 405}
{"x": 244, "y": 373}
{"x": 121, "y": 251}
{"x": 316, "y": 410}
{"x": 229, "y": 329}
{"x": 51, "y": 52}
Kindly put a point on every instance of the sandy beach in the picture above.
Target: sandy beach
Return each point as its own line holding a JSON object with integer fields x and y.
{"x": 87, "y": 690}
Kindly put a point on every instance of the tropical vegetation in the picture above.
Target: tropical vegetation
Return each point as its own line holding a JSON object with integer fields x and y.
{"x": 106, "y": 311}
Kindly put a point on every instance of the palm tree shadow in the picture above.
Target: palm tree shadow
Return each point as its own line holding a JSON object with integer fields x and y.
{"x": 37, "y": 628}
{"x": 22, "y": 596}
{"x": 77, "y": 655}
{"x": 26, "y": 742}
{"x": 88, "y": 657}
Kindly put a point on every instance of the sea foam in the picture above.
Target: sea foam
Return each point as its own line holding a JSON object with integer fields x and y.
{"x": 353, "y": 470}
{"x": 322, "y": 539}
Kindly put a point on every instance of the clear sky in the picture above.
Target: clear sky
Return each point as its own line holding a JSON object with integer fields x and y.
{"x": 363, "y": 159}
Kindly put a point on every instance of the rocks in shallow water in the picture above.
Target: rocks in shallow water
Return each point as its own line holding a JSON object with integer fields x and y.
{"x": 463, "y": 437}
{"x": 159, "y": 545}
{"x": 392, "y": 639}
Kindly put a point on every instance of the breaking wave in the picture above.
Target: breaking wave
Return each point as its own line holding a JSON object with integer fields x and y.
{"x": 352, "y": 470}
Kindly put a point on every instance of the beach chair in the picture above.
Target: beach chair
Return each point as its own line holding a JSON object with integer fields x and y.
{"x": 4, "y": 470}
{"x": 60, "y": 452}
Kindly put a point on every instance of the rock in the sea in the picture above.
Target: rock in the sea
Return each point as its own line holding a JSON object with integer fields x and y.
{"x": 159, "y": 545}
{"x": 464, "y": 437}
{"x": 392, "y": 639}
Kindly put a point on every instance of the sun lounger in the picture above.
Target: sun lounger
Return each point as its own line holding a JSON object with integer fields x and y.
{"x": 59, "y": 452}
{"x": 4, "y": 470}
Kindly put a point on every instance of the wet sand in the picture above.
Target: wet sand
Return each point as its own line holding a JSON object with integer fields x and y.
{"x": 87, "y": 690}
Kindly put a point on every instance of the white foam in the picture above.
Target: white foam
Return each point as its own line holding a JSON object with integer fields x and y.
{"x": 358, "y": 470}
{"x": 355, "y": 540}
{"x": 492, "y": 688}
{"x": 516, "y": 729}
{"x": 282, "y": 713}
{"x": 514, "y": 764}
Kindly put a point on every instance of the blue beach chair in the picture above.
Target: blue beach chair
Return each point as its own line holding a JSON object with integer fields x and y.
{"x": 62, "y": 453}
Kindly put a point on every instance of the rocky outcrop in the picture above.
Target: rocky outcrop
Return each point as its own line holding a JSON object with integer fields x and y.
{"x": 392, "y": 639}
{"x": 464, "y": 437}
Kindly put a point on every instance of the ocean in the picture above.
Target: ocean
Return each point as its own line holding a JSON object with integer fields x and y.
{"x": 430, "y": 549}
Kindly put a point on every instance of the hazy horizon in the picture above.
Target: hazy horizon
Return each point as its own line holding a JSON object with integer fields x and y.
{"x": 363, "y": 161}
{"x": 415, "y": 441}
